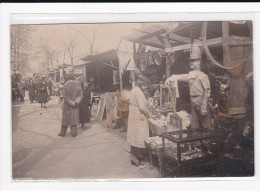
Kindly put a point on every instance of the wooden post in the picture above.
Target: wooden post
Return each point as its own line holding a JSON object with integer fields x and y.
{"x": 120, "y": 78}
{"x": 226, "y": 49}
{"x": 226, "y": 52}
{"x": 168, "y": 66}
{"x": 168, "y": 61}
{"x": 134, "y": 48}
{"x": 132, "y": 71}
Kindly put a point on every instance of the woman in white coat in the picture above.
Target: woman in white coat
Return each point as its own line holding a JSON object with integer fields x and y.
{"x": 138, "y": 128}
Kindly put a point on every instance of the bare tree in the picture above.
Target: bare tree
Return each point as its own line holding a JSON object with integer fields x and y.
{"x": 20, "y": 45}
{"x": 69, "y": 46}
{"x": 56, "y": 55}
{"x": 91, "y": 40}
{"x": 48, "y": 55}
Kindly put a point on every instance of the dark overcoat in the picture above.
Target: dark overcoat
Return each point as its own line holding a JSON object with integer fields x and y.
{"x": 43, "y": 92}
{"x": 31, "y": 88}
{"x": 84, "y": 112}
{"x": 72, "y": 94}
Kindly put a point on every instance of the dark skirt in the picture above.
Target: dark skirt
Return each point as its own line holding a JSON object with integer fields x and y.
{"x": 140, "y": 153}
{"x": 43, "y": 97}
{"x": 31, "y": 94}
{"x": 84, "y": 113}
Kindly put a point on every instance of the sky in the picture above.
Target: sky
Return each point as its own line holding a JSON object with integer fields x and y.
{"x": 107, "y": 37}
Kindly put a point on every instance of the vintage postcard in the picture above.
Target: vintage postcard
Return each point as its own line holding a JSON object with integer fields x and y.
{"x": 132, "y": 100}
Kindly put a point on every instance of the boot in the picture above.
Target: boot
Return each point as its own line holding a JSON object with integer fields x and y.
{"x": 73, "y": 130}
{"x": 82, "y": 126}
{"x": 134, "y": 160}
{"x": 63, "y": 131}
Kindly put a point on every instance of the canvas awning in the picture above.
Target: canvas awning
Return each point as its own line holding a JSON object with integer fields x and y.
{"x": 154, "y": 34}
{"x": 108, "y": 57}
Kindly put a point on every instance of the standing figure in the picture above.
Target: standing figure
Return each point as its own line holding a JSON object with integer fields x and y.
{"x": 60, "y": 92}
{"x": 138, "y": 128}
{"x": 14, "y": 89}
{"x": 84, "y": 111}
{"x": 249, "y": 101}
{"x": 199, "y": 90}
{"x": 43, "y": 93}
{"x": 31, "y": 88}
{"x": 21, "y": 90}
{"x": 49, "y": 84}
{"x": 72, "y": 94}
{"x": 224, "y": 92}
{"x": 37, "y": 87}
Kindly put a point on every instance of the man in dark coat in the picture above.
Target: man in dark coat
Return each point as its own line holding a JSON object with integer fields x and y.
{"x": 49, "y": 83}
{"x": 31, "y": 88}
{"x": 72, "y": 93}
{"x": 84, "y": 112}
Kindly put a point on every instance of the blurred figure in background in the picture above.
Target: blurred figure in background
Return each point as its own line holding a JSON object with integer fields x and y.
{"x": 32, "y": 90}
{"x": 21, "y": 90}
{"x": 37, "y": 87}
{"x": 84, "y": 105}
{"x": 49, "y": 84}
{"x": 43, "y": 93}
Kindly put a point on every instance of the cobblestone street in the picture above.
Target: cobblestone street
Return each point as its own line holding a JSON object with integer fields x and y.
{"x": 39, "y": 153}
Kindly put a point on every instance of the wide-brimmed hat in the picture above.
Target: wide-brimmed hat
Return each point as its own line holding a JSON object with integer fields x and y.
{"x": 196, "y": 52}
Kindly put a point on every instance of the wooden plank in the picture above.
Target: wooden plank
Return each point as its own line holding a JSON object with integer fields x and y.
{"x": 180, "y": 38}
{"x": 226, "y": 49}
{"x": 101, "y": 107}
{"x": 145, "y": 43}
{"x": 161, "y": 40}
{"x": 183, "y": 26}
{"x": 159, "y": 36}
{"x": 213, "y": 41}
{"x": 174, "y": 37}
{"x": 238, "y": 41}
{"x": 152, "y": 34}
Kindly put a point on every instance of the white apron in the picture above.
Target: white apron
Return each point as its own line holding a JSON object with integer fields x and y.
{"x": 138, "y": 128}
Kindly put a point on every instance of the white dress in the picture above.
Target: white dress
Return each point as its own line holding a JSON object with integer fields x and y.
{"x": 138, "y": 128}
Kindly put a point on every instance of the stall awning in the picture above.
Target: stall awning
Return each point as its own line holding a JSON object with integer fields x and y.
{"x": 105, "y": 57}
{"x": 126, "y": 61}
{"x": 154, "y": 34}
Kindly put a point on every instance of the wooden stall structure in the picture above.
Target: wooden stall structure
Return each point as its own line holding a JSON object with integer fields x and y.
{"x": 227, "y": 46}
{"x": 227, "y": 60}
{"x": 100, "y": 68}
{"x": 103, "y": 72}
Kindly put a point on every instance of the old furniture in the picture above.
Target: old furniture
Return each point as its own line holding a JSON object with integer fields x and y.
{"x": 189, "y": 148}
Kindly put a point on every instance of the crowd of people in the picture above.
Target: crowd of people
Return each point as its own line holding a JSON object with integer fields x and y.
{"x": 75, "y": 94}
{"x": 39, "y": 88}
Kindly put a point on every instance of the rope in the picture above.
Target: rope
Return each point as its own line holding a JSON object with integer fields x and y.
{"x": 208, "y": 54}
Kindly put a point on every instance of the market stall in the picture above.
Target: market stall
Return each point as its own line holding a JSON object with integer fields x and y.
{"x": 164, "y": 49}
{"x": 108, "y": 75}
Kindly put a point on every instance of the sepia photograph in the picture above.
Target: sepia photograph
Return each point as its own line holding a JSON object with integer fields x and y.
{"x": 171, "y": 99}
